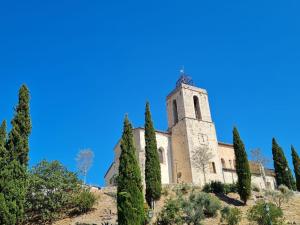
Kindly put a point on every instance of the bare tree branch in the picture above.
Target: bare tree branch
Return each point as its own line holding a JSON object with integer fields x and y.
{"x": 84, "y": 160}
{"x": 201, "y": 157}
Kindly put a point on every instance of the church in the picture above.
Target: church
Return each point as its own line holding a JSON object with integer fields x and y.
{"x": 190, "y": 127}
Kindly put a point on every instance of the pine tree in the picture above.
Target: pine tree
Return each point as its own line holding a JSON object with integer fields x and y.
{"x": 242, "y": 167}
{"x": 130, "y": 200}
{"x": 14, "y": 172}
{"x": 152, "y": 164}
{"x": 296, "y": 163}
{"x": 283, "y": 173}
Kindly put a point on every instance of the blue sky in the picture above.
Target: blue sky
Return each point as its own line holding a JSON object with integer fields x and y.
{"x": 87, "y": 63}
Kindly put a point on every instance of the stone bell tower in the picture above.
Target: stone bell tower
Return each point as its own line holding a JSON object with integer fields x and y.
{"x": 191, "y": 127}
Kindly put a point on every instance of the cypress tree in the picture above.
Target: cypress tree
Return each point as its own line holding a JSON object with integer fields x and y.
{"x": 14, "y": 173}
{"x": 296, "y": 163}
{"x": 4, "y": 213}
{"x": 152, "y": 164}
{"x": 21, "y": 127}
{"x": 130, "y": 200}
{"x": 3, "y": 152}
{"x": 242, "y": 167}
{"x": 283, "y": 173}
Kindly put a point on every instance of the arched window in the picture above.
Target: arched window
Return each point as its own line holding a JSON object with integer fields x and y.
{"x": 212, "y": 167}
{"x": 175, "y": 113}
{"x": 223, "y": 163}
{"x": 197, "y": 108}
{"x": 161, "y": 155}
{"x": 230, "y": 163}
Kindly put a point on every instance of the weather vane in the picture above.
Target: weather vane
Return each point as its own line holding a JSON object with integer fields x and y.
{"x": 184, "y": 78}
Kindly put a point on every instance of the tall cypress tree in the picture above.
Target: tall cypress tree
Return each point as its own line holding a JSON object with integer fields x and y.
{"x": 21, "y": 128}
{"x": 4, "y": 210}
{"x": 152, "y": 164}
{"x": 296, "y": 163}
{"x": 242, "y": 167}
{"x": 130, "y": 200}
{"x": 283, "y": 173}
{"x": 15, "y": 171}
{"x": 2, "y": 140}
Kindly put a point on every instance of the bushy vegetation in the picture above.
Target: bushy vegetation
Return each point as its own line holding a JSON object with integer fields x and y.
{"x": 171, "y": 213}
{"x": 232, "y": 216}
{"x": 190, "y": 209}
{"x": 218, "y": 187}
{"x": 84, "y": 201}
{"x": 53, "y": 191}
{"x": 182, "y": 189}
{"x": 264, "y": 213}
{"x": 282, "y": 195}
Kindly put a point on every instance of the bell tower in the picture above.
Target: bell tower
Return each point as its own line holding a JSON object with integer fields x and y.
{"x": 191, "y": 126}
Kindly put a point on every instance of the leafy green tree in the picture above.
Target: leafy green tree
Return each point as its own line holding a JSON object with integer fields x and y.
{"x": 52, "y": 191}
{"x": 152, "y": 164}
{"x": 130, "y": 200}
{"x": 283, "y": 173}
{"x": 242, "y": 167}
{"x": 296, "y": 162}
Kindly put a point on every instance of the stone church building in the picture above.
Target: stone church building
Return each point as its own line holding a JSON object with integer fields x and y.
{"x": 190, "y": 126}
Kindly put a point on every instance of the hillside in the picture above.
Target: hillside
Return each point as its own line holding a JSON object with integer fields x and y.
{"x": 105, "y": 209}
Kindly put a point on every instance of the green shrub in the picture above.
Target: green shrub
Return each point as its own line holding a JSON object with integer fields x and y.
{"x": 230, "y": 188}
{"x": 171, "y": 213}
{"x": 232, "y": 216}
{"x": 84, "y": 201}
{"x": 214, "y": 187}
{"x": 189, "y": 209}
{"x": 207, "y": 188}
{"x": 165, "y": 191}
{"x": 211, "y": 204}
{"x": 218, "y": 187}
{"x": 265, "y": 213}
{"x": 185, "y": 188}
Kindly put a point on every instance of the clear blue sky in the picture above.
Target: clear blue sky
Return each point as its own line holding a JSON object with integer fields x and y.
{"x": 87, "y": 63}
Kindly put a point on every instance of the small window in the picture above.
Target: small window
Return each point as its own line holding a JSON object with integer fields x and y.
{"x": 223, "y": 163}
{"x": 197, "y": 108}
{"x": 230, "y": 164}
{"x": 161, "y": 155}
{"x": 175, "y": 112}
{"x": 212, "y": 167}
